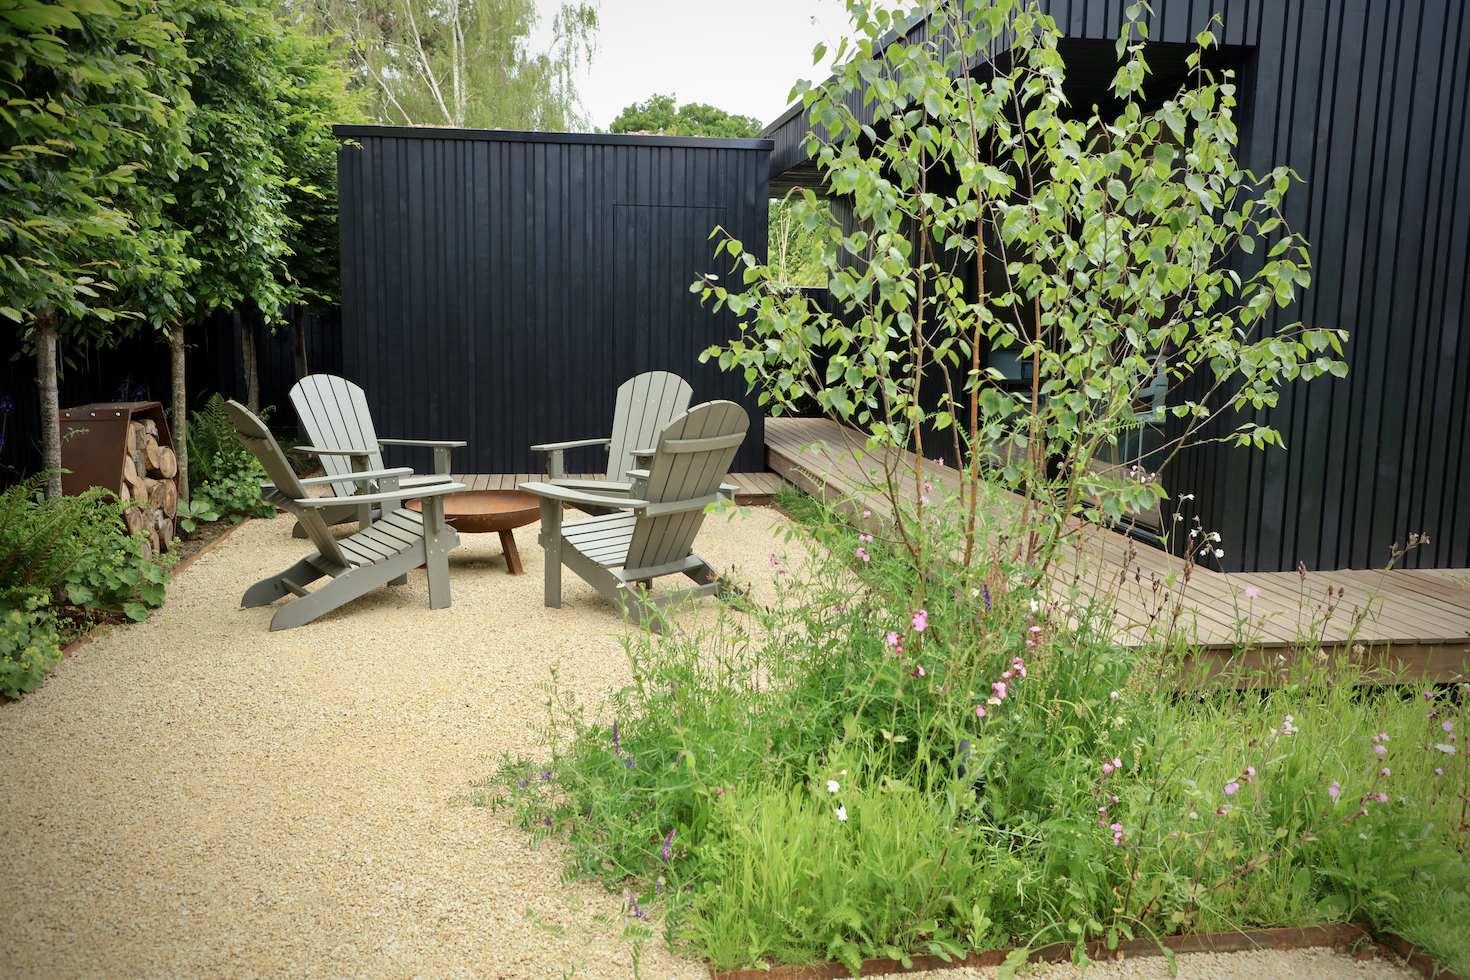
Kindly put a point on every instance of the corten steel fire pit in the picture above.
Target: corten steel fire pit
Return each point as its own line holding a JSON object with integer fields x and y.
{"x": 482, "y": 511}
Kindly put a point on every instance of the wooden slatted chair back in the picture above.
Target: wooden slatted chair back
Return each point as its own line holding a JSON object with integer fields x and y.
{"x": 258, "y": 439}
{"x": 334, "y": 412}
{"x": 645, "y": 404}
{"x": 694, "y": 453}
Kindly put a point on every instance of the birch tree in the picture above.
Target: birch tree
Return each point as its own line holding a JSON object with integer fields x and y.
{"x": 461, "y": 63}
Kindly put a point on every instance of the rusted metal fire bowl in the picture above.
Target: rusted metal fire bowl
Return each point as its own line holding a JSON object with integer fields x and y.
{"x": 482, "y": 511}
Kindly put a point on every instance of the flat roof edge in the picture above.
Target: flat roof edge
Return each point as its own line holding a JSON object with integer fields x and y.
{"x": 519, "y": 136}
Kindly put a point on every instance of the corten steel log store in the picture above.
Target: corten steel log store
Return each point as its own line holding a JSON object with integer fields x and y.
{"x": 1366, "y": 102}
{"x": 498, "y": 286}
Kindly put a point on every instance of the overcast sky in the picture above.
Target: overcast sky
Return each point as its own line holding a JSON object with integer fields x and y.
{"x": 738, "y": 55}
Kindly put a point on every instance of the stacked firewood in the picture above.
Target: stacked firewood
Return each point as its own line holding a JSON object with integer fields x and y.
{"x": 150, "y": 475}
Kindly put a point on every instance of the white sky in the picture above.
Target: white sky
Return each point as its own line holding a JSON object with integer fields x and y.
{"x": 738, "y": 55}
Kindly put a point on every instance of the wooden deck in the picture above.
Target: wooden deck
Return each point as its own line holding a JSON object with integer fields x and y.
{"x": 1399, "y": 623}
{"x": 755, "y": 488}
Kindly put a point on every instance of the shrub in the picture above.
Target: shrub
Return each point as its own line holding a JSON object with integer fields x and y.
{"x": 28, "y": 644}
{"x": 226, "y": 476}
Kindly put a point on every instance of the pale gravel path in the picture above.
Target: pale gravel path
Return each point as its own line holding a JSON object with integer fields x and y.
{"x": 198, "y": 797}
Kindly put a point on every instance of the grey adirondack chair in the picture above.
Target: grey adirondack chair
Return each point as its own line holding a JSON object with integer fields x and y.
{"x": 380, "y": 554}
{"x": 621, "y": 553}
{"x": 644, "y": 405}
{"x": 334, "y": 412}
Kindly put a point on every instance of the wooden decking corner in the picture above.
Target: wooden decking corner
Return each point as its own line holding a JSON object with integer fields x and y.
{"x": 1402, "y": 624}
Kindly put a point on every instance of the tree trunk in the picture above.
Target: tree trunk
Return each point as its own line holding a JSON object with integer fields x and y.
{"x": 252, "y": 362}
{"x": 298, "y": 341}
{"x": 180, "y": 418}
{"x": 50, "y": 401}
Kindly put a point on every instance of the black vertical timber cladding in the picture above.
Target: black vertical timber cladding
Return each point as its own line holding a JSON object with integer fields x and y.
{"x": 497, "y": 286}
{"x": 1365, "y": 100}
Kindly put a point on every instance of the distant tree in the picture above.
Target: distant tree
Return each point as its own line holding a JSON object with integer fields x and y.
{"x": 460, "y": 63}
{"x": 660, "y": 115}
{"x": 796, "y": 242}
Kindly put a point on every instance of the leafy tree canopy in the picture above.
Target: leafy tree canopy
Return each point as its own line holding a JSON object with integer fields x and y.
{"x": 92, "y": 92}
{"x": 660, "y": 115}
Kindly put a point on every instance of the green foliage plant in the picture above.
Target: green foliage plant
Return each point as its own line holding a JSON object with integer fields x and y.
{"x": 28, "y": 646}
{"x": 840, "y": 775}
{"x": 661, "y": 115}
{"x": 75, "y": 548}
{"x": 986, "y": 213}
{"x": 228, "y": 475}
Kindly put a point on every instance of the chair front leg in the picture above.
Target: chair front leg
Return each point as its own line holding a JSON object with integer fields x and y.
{"x": 551, "y": 543}
{"x": 436, "y": 551}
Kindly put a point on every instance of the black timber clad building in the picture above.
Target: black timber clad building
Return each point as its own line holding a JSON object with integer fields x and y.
{"x": 1366, "y": 101}
{"x": 498, "y": 286}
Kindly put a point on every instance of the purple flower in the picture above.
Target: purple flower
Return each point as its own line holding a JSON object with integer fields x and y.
{"x": 615, "y": 735}
{"x": 522, "y": 784}
{"x": 548, "y": 820}
{"x": 633, "y": 906}
{"x": 668, "y": 842}
{"x": 546, "y": 775}
{"x": 985, "y": 588}
{"x": 6, "y": 405}
{"x": 630, "y": 760}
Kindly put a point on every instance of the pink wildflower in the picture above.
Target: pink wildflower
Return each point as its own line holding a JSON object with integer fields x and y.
{"x": 921, "y": 621}
{"x": 1251, "y": 592}
{"x": 1381, "y": 797}
{"x": 862, "y": 553}
{"x": 1448, "y": 726}
{"x": 1379, "y": 749}
{"x": 999, "y": 687}
{"x": 1385, "y": 771}
{"x": 979, "y": 711}
{"x": 1334, "y": 791}
{"x": 1232, "y": 788}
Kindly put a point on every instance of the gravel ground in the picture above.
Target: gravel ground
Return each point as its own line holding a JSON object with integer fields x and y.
{"x": 196, "y": 796}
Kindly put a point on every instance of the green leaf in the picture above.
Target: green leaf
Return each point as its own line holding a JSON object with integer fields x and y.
{"x": 135, "y": 611}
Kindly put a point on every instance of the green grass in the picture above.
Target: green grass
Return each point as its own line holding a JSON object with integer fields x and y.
{"x": 833, "y": 791}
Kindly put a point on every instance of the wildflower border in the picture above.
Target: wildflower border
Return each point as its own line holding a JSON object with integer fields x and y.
{"x": 1347, "y": 935}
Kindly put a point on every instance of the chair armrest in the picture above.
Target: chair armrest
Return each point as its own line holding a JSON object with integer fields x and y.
{"x": 437, "y": 490}
{"x": 645, "y": 509}
{"x": 317, "y": 481}
{"x": 569, "y": 496}
{"x": 433, "y": 443}
{"x": 547, "y": 447}
{"x": 606, "y": 487}
{"x": 320, "y": 451}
